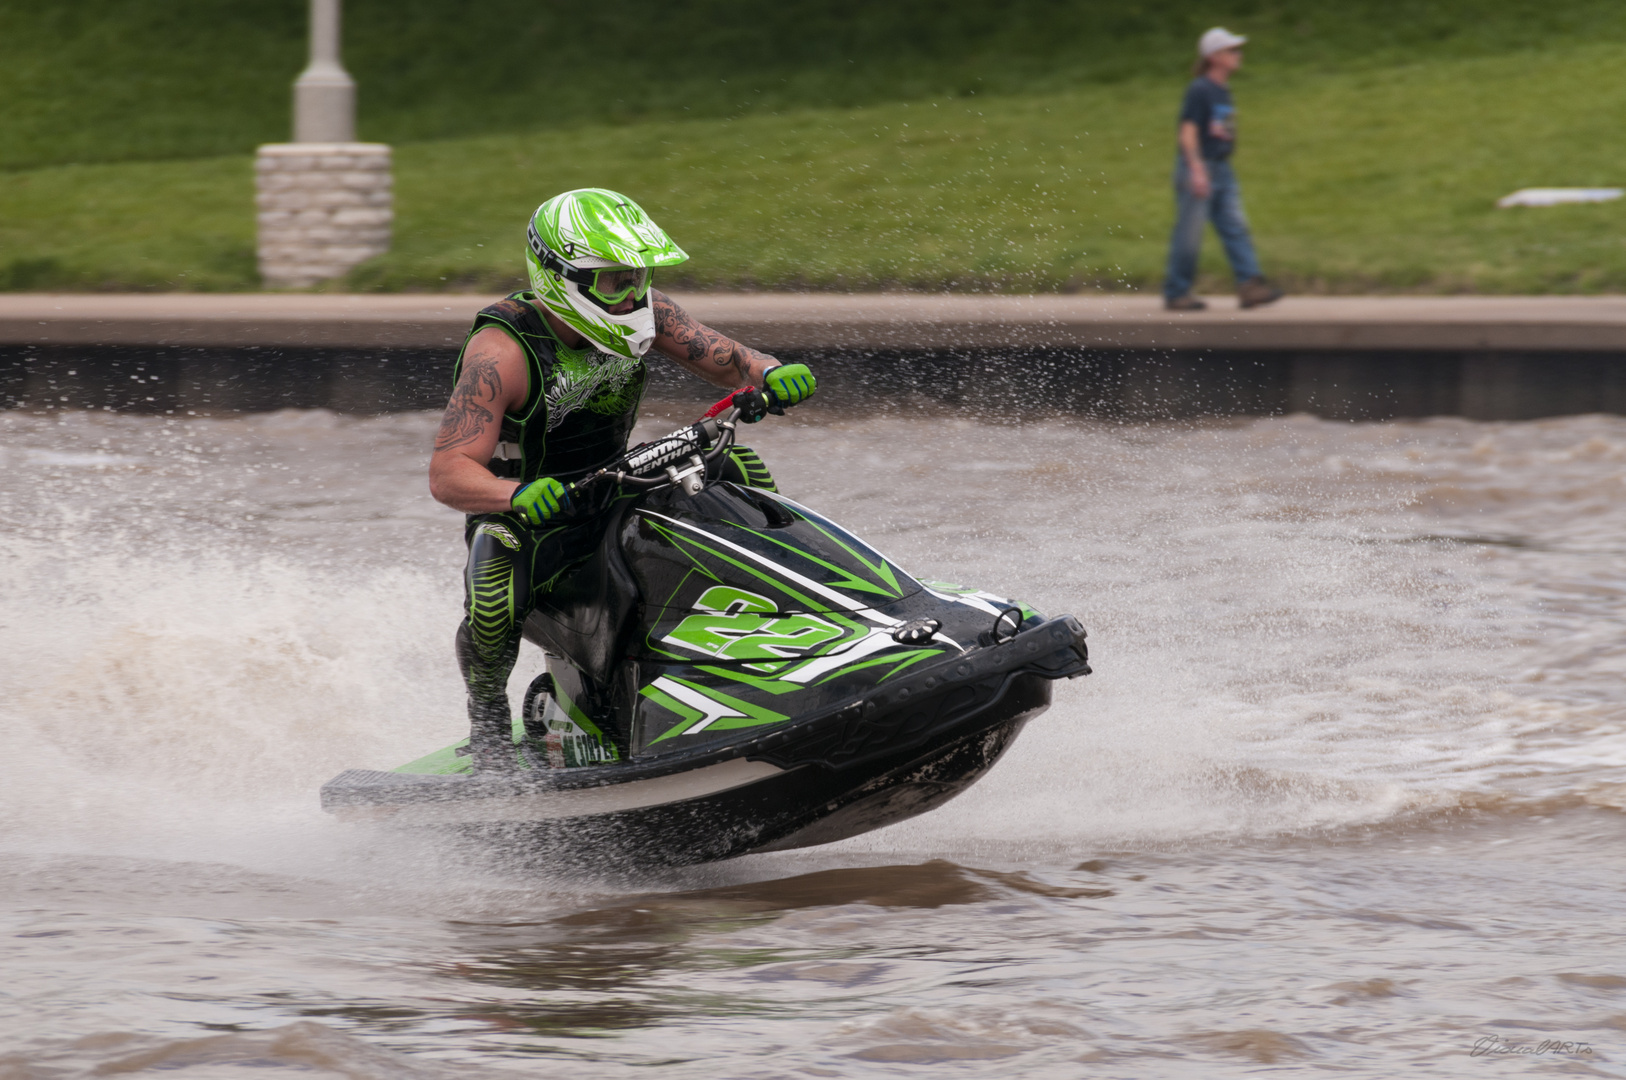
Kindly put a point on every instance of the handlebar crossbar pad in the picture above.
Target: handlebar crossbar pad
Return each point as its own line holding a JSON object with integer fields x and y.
{"x": 663, "y": 452}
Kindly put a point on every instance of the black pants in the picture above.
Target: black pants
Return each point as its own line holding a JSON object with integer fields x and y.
{"x": 511, "y": 565}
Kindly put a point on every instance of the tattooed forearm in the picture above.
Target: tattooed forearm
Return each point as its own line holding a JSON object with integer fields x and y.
{"x": 707, "y": 352}
{"x": 466, "y": 417}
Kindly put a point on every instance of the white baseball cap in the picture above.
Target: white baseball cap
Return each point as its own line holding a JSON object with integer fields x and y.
{"x": 1218, "y": 40}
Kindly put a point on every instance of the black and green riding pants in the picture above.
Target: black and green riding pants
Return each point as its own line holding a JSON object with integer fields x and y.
{"x": 511, "y": 565}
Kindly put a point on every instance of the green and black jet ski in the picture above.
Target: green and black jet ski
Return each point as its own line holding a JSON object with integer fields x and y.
{"x": 733, "y": 673}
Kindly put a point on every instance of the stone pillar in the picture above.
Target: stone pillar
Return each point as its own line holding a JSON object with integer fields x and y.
{"x": 323, "y": 208}
{"x": 324, "y": 93}
{"x": 324, "y": 199}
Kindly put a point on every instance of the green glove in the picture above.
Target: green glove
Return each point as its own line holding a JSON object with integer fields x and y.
{"x": 790, "y": 384}
{"x": 541, "y": 500}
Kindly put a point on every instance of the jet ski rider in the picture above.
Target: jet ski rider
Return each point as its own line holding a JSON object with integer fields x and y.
{"x": 546, "y": 390}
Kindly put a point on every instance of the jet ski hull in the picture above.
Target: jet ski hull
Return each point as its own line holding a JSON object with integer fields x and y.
{"x": 792, "y": 808}
{"x": 894, "y": 754}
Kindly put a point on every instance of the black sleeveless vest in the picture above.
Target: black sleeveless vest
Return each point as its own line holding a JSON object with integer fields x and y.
{"x": 581, "y": 404}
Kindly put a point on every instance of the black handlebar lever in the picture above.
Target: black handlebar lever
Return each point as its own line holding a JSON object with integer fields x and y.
{"x": 753, "y": 404}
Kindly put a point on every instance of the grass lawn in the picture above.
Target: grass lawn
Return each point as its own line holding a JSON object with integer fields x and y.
{"x": 1356, "y": 180}
{"x": 150, "y": 80}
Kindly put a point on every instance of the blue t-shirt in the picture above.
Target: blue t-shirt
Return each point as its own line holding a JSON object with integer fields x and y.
{"x": 1208, "y": 105}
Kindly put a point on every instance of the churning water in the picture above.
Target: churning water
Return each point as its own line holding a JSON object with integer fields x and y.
{"x": 1345, "y": 793}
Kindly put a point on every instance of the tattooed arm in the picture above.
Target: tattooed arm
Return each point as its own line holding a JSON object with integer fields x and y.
{"x": 492, "y": 382}
{"x": 704, "y": 351}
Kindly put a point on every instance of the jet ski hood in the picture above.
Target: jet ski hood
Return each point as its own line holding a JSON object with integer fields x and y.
{"x": 752, "y": 604}
{"x": 762, "y": 544}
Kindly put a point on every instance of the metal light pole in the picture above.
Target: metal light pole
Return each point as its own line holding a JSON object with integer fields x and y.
{"x": 324, "y": 94}
{"x": 324, "y": 200}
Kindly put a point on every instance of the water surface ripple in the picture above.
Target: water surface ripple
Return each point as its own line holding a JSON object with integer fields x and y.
{"x": 1344, "y": 795}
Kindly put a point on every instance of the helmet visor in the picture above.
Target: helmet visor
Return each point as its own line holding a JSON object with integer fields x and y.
{"x": 613, "y": 284}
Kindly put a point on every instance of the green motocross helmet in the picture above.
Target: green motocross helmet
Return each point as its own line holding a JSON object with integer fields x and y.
{"x": 590, "y": 250}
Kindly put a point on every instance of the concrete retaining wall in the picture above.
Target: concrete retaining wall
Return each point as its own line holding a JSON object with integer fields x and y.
{"x": 870, "y": 321}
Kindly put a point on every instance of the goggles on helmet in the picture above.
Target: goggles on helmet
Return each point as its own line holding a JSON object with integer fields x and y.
{"x": 607, "y": 286}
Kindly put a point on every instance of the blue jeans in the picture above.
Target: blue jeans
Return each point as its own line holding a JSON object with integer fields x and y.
{"x": 1224, "y": 208}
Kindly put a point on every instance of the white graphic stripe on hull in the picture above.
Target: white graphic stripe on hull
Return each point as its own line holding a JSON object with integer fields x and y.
{"x": 710, "y": 711}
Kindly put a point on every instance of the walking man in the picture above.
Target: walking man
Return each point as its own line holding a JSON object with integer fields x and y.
{"x": 1205, "y": 185}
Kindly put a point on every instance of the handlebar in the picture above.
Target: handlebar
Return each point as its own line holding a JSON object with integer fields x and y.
{"x": 684, "y": 457}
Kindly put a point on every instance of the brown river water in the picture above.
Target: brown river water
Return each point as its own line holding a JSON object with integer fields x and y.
{"x": 1345, "y": 794}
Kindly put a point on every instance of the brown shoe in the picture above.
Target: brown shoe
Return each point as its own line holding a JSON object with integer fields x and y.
{"x": 1184, "y": 303}
{"x": 1256, "y": 291}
